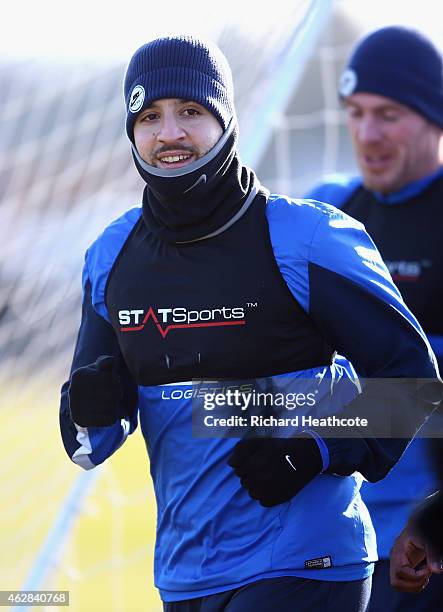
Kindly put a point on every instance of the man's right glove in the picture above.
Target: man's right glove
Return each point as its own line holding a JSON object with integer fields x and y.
{"x": 273, "y": 470}
{"x": 95, "y": 394}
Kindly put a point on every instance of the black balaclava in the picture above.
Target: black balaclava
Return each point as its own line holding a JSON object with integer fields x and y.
{"x": 207, "y": 196}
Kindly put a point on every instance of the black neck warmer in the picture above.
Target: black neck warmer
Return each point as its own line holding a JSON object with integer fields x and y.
{"x": 200, "y": 200}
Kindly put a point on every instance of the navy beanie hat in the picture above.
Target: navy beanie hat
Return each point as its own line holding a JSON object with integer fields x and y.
{"x": 179, "y": 67}
{"x": 398, "y": 63}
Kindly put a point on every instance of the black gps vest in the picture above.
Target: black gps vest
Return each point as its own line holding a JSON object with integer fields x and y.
{"x": 214, "y": 308}
{"x": 408, "y": 237}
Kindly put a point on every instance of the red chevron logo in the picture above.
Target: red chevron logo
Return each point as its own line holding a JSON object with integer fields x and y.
{"x": 164, "y": 331}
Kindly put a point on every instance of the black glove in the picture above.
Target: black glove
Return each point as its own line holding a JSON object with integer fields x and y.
{"x": 273, "y": 470}
{"x": 95, "y": 394}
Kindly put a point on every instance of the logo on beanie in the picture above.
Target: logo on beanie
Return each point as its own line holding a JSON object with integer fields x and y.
{"x": 347, "y": 83}
{"x": 137, "y": 98}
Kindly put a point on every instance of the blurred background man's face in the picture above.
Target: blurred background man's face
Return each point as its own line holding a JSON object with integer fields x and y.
{"x": 393, "y": 144}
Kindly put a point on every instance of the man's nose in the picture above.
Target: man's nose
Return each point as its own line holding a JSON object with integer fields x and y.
{"x": 369, "y": 129}
{"x": 170, "y": 129}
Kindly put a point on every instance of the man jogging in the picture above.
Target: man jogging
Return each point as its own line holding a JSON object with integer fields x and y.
{"x": 213, "y": 278}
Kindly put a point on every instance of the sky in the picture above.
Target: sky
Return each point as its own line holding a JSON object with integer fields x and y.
{"x": 109, "y": 31}
{"x": 113, "y": 30}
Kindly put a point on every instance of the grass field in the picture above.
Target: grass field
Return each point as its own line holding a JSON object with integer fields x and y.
{"x": 103, "y": 554}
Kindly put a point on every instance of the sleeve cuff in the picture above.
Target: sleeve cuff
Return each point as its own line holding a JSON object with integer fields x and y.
{"x": 324, "y": 451}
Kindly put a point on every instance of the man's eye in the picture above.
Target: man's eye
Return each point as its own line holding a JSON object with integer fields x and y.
{"x": 353, "y": 112}
{"x": 191, "y": 112}
{"x": 149, "y": 117}
{"x": 391, "y": 116}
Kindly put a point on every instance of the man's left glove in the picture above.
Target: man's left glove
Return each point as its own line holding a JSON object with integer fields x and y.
{"x": 273, "y": 470}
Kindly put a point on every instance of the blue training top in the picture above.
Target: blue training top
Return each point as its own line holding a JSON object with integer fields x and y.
{"x": 391, "y": 501}
{"x": 211, "y": 536}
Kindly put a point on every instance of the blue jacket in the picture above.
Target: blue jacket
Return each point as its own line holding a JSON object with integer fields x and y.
{"x": 211, "y": 536}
